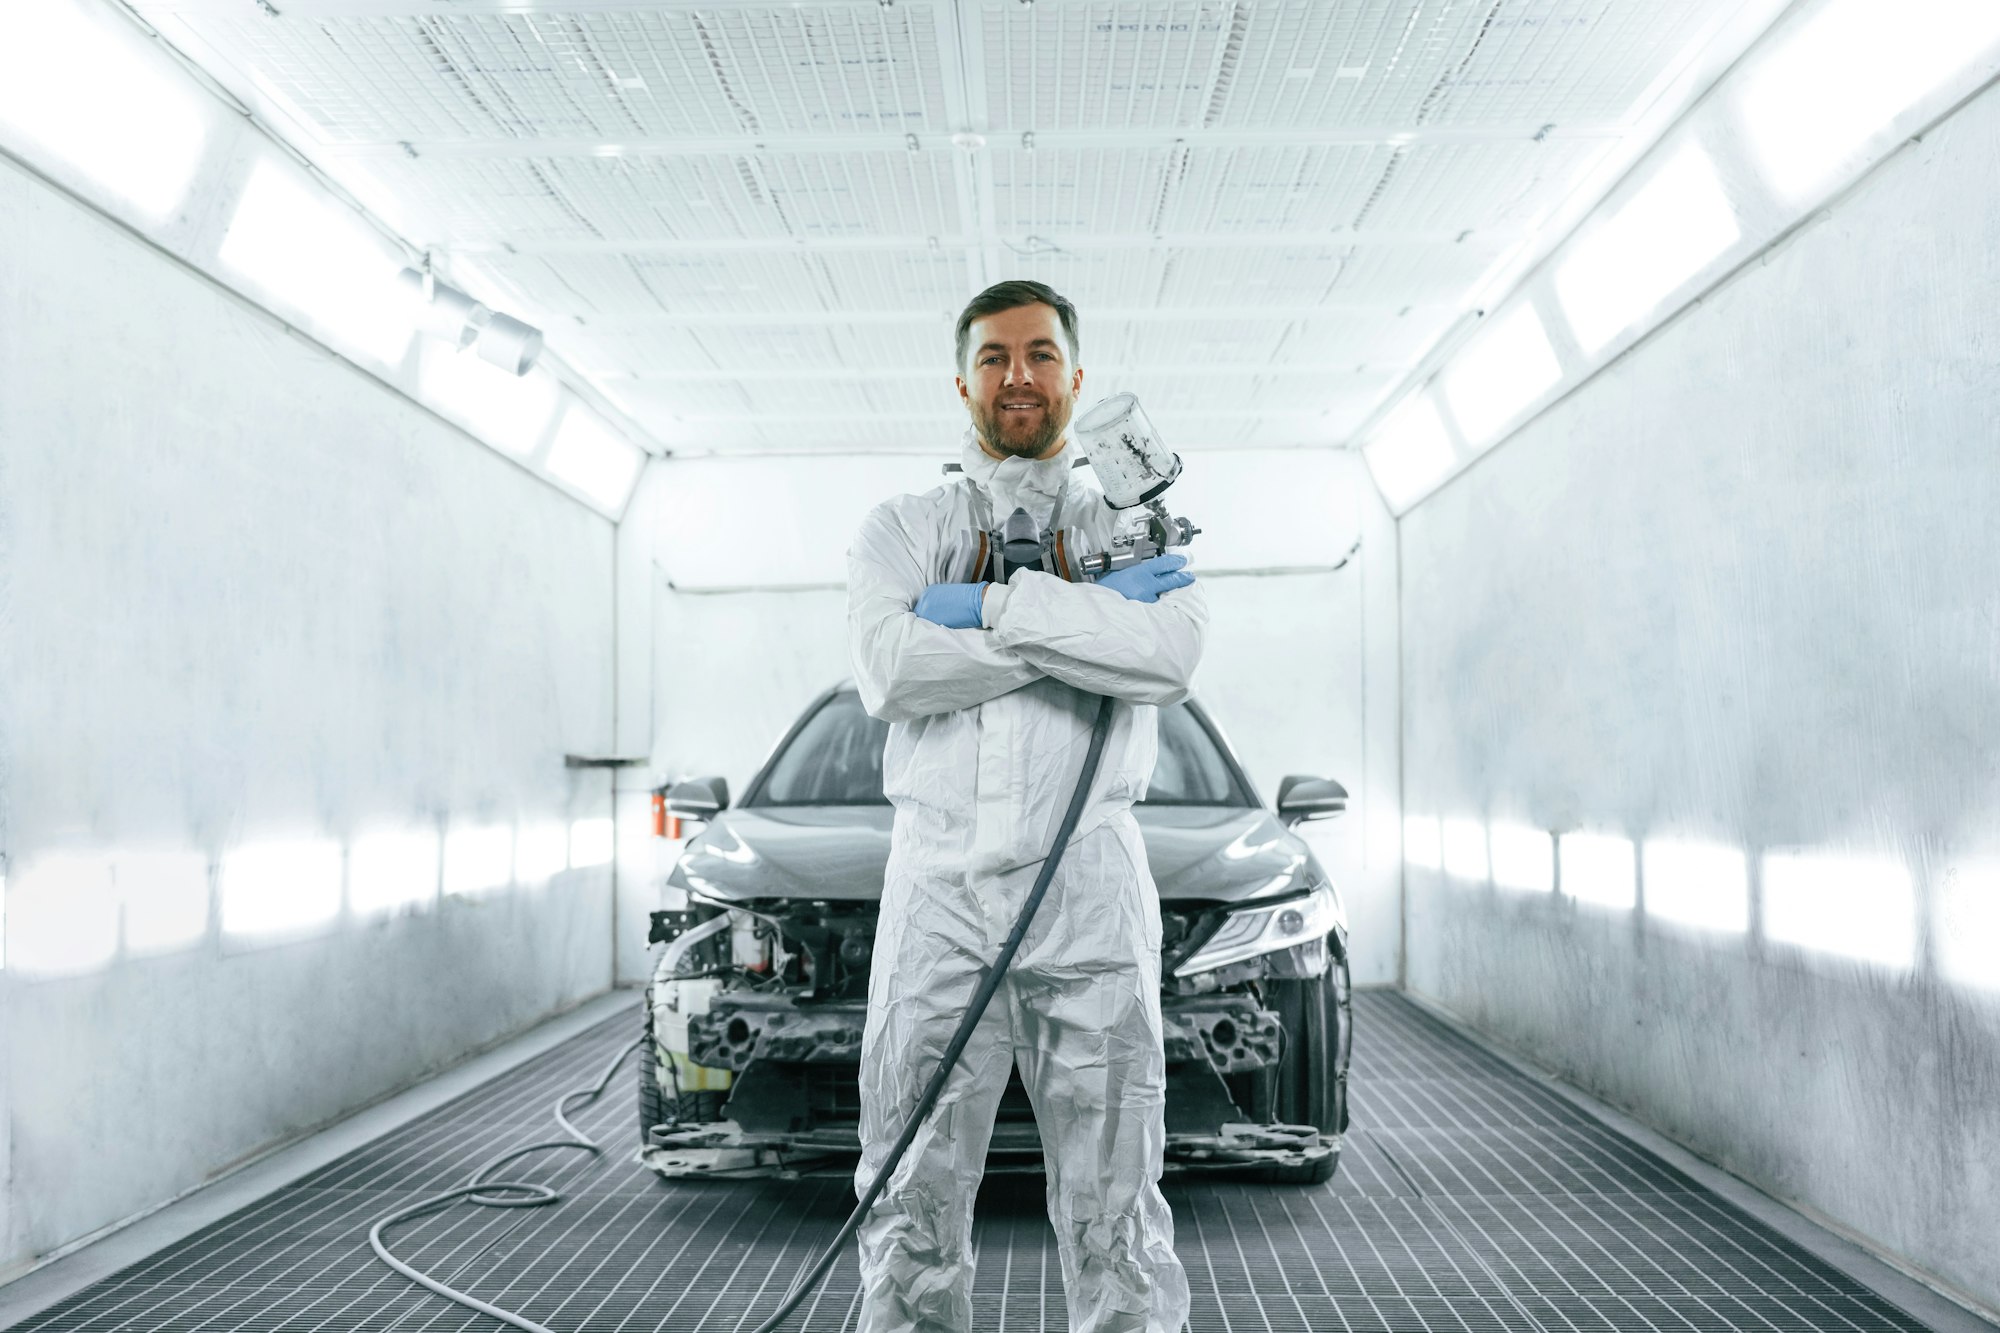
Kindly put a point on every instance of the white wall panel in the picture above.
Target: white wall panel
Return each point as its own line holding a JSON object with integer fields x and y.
{"x": 262, "y": 617}
{"x": 1739, "y": 591}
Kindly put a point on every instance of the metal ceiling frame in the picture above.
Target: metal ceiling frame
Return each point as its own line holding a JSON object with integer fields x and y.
{"x": 958, "y": 97}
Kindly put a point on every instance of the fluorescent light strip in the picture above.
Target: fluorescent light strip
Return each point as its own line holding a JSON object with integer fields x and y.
{"x": 1524, "y": 858}
{"x": 595, "y": 459}
{"x": 88, "y": 91}
{"x": 1646, "y": 250}
{"x": 1862, "y": 908}
{"x": 1507, "y": 367}
{"x": 1410, "y": 454}
{"x": 1698, "y": 884}
{"x": 298, "y": 245}
{"x": 1598, "y": 868}
{"x": 1843, "y": 76}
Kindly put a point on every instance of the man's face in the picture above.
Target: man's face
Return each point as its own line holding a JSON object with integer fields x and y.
{"x": 1019, "y": 385}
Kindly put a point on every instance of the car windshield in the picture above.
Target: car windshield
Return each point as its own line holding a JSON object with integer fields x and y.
{"x": 836, "y": 759}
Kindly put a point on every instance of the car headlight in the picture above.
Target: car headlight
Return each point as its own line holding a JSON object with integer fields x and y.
{"x": 1250, "y": 931}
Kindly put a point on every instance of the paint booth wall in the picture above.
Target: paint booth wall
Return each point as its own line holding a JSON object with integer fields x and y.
{"x": 270, "y": 635}
{"x": 1726, "y": 619}
{"x": 742, "y": 615}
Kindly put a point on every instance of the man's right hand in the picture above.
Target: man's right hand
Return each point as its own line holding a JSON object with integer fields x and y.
{"x": 1145, "y": 581}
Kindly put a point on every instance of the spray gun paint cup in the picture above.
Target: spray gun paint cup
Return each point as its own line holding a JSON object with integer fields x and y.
{"x": 1125, "y": 451}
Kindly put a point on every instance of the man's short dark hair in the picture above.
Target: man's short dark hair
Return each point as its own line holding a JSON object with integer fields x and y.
{"x": 1011, "y": 295}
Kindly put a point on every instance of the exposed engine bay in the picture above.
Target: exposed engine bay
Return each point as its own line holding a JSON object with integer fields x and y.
{"x": 757, "y": 1012}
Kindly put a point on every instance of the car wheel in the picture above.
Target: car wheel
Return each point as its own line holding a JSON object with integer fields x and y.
{"x": 652, "y": 1101}
{"x": 1305, "y": 1087}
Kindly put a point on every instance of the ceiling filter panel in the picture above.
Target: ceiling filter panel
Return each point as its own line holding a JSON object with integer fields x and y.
{"x": 777, "y": 197}
{"x": 609, "y": 75}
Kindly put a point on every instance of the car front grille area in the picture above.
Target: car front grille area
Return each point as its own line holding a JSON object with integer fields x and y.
{"x": 1469, "y": 1199}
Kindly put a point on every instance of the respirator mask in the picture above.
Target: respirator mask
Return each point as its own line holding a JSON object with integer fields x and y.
{"x": 1121, "y": 446}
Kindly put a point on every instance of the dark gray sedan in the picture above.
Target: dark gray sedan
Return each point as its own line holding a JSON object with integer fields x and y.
{"x": 757, "y": 1002}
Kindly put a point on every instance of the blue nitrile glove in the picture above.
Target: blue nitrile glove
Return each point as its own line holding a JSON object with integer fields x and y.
{"x": 1145, "y": 581}
{"x": 953, "y": 605}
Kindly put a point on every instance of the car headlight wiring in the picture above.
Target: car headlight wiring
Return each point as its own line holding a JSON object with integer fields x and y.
{"x": 1262, "y": 928}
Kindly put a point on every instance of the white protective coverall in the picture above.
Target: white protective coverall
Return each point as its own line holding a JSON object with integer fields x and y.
{"x": 988, "y": 733}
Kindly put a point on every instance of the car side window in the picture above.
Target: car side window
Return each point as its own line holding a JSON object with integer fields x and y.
{"x": 1190, "y": 769}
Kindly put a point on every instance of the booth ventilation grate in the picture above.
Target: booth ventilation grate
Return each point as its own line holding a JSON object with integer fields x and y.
{"x": 1469, "y": 1200}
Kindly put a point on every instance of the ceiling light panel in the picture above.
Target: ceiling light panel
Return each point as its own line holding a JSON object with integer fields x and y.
{"x": 530, "y": 201}
{"x": 736, "y": 282}
{"x": 1446, "y": 63}
{"x": 603, "y": 74}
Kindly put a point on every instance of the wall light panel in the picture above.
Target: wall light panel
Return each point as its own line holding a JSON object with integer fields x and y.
{"x": 541, "y": 851}
{"x": 298, "y": 246}
{"x": 392, "y": 869}
{"x": 1598, "y": 868}
{"x": 1464, "y": 845}
{"x": 1863, "y": 908}
{"x": 1813, "y": 105}
{"x": 590, "y": 843}
{"x": 1968, "y": 926}
{"x": 63, "y": 917}
{"x": 1422, "y": 842}
{"x": 1524, "y": 858}
{"x": 595, "y": 459}
{"x": 1646, "y": 249}
{"x": 83, "y": 87}
{"x": 165, "y": 899}
{"x": 1697, "y": 884}
{"x": 478, "y": 859}
{"x": 279, "y": 887}
{"x": 1507, "y": 367}
{"x": 1410, "y": 453}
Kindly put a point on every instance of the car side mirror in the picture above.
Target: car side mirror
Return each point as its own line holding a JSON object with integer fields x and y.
{"x": 1301, "y": 798}
{"x": 698, "y": 798}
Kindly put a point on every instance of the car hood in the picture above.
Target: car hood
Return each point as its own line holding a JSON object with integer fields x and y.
{"x": 1210, "y": 853}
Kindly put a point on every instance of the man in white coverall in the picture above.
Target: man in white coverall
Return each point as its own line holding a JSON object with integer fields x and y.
{"x": 991, "y": 691}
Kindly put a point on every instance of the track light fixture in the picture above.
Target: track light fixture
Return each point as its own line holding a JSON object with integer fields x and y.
{"x": 443, "y": 311}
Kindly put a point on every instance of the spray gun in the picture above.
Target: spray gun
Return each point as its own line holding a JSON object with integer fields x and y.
{"x": 1134, "y": 468}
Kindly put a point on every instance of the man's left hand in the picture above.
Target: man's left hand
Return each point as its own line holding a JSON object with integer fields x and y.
{"x": 953, "y": 605}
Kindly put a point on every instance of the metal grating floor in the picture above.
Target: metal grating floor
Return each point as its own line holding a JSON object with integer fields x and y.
{"x": 1469, "y": 1199}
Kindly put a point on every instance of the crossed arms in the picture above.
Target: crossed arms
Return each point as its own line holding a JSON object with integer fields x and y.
{"x": 1085, "y": 636}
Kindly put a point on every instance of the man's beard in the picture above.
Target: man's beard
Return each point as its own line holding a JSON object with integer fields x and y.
{"x": 1004, "y": 435}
